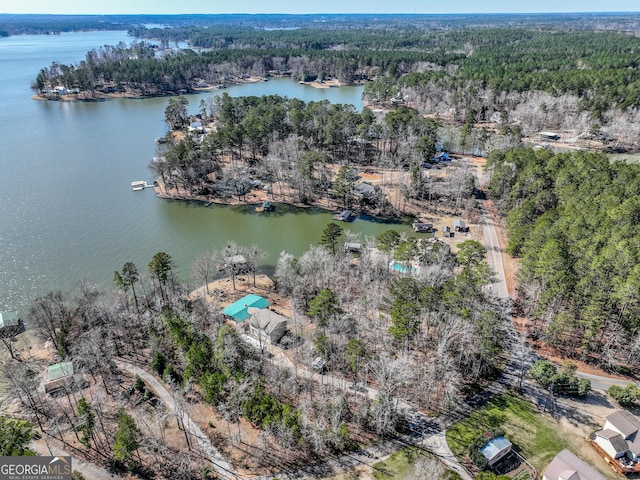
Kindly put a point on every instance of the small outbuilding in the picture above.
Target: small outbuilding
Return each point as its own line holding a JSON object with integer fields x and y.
{"x": 238, "y": 310}
{"x": 549, "y": 136}
{"x": 352, "y": 247}
{"x": 460, "y": 226}
{"x": 59, "y": 376}
{"x": 496, "y": 449}
{"x": 266, "y": 325}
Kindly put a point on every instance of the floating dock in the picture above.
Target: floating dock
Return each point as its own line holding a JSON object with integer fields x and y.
{"x": 140, "y": 185}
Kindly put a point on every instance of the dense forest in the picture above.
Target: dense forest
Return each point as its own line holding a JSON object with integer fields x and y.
{"x": 573, "y": 219}
{"x": 515, "y": 78}
{"x": 304, "y": 152}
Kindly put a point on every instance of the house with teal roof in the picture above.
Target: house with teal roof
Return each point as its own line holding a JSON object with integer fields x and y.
{"x": 238, "y": 310}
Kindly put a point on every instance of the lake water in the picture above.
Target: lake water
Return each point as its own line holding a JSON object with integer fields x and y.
{"x": 67, "y": 212}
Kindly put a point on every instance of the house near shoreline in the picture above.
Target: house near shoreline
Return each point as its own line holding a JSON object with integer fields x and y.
{"x": 239, "y": 310}
{"x": 620, "y": 437}
{"x": 566, "y": 466}
{"x": 364, "y": 190}
{"x": 266, "y": 325}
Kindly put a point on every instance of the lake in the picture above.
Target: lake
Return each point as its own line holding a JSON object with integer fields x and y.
{"x": 67, "y": 211}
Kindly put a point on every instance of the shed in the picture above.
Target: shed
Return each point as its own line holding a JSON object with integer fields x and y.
{"x": 60, "y": 370}
{"x": 266, "y": 325}
{"x": 460, "y": 226}
{"x": 239, "y": 310}
{"x": 60, "y": 377}
{"x": 549, "y": 136}
{"x": 352, "y": 247}
{"x": 495, "y": 449}
{"x": 10, "y": 324}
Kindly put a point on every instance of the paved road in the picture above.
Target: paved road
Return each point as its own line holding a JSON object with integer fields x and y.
{"x": 494, "y": 256}
{"x": 599, "y": 382}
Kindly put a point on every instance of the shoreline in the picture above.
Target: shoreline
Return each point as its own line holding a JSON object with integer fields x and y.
{"x": 257, "y": 197}
{"x": 101, "y": 96}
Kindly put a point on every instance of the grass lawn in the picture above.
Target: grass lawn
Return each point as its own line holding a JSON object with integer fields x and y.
{"x": 535, "y": 436}
{"x": 403, "y": 463}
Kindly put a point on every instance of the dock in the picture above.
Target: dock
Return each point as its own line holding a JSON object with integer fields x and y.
{"x": 140, "y": 185}
{"x": 422, "y": 227}
{"x": 345, "y": 216}
{"x": 266, "y": 206}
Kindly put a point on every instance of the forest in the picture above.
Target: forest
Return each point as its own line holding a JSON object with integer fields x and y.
{"x": 573, "y": 220}
{"x": 422, "y": 339}
{"x": 523, "y": 78}
{"x": 305, "y": 151}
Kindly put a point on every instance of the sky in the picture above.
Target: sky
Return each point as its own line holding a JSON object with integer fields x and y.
{"x": 322, "y": 6}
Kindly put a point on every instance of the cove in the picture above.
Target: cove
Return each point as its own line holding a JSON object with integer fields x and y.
{"x": 67, "y": 212}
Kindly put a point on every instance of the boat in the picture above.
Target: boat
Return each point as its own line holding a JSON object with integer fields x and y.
{"x": 266, "y": 206}
{"x": 138, "y": 185}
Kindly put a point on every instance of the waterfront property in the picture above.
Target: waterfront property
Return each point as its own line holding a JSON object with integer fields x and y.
{"x": 344, "y": 216}
{"x": 239, "y": 310}
{"x": 10, "y": 324}
{"x": 422, "y": 227}
{"x": 266, "y": 325}
{"x": 138, "y": 185}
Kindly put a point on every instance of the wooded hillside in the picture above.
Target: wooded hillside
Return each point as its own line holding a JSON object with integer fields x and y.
{"x": 574, "y": 219}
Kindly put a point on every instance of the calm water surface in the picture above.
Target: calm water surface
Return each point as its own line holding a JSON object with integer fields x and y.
{"x": 67, "y": 212}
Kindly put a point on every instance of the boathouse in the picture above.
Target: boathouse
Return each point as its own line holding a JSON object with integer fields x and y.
{"x": 10, "y": 324}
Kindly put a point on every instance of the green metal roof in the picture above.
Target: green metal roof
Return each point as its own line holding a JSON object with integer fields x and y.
{"x": 60, "y": 370}
{"x": 238, "y": 309}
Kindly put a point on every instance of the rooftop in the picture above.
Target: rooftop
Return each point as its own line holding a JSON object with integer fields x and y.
{"x": 60, "y": 370}
{"x": 265, "y": 319}
{"x": 9, "y": 319}
{"x": 567, "y": 466}
{"x": 494, "y": 447}
{"x": 625, "y": 422}
{"x": 239, "y": 310}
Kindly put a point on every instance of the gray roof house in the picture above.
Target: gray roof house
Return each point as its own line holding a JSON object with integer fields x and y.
{"x": 266, "y": 325}
{"x": 364, "y": 190}
{"x": 566, "y": 466}
{"x": 620, "y": 436}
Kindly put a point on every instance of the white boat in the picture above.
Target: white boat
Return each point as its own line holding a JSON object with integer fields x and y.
{"x": 139, "y": 185}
